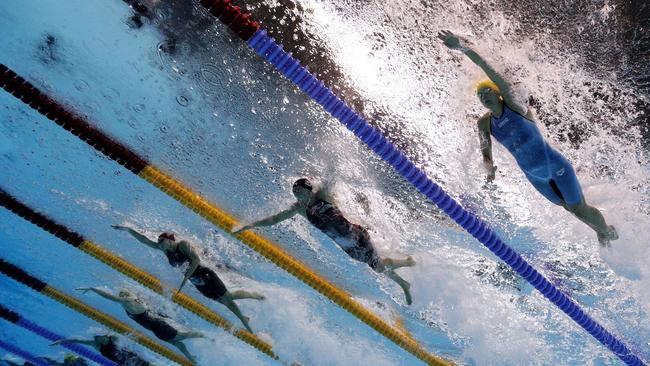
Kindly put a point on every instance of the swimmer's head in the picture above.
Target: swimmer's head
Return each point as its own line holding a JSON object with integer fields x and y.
{"x": 124, "y": 294}
{"x": 302, "y": 189}
{"x": 104, "y": 339}
{"x": 488, "y": 93}
{"x": 167, "y": 235}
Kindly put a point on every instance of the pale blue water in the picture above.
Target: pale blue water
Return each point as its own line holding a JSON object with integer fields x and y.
{"x": 224, "y": 123}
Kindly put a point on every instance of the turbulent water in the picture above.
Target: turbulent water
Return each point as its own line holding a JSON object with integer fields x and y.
{"x": 180, "y": 89}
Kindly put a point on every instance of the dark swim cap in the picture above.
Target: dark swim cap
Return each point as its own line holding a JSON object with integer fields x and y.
{"x": 304, "y": 183}
{"x": 167, "y": 235}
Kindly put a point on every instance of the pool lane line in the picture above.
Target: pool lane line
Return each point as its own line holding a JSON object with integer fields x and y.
{"x": 17, "y": 319}
{"x": 19, "y": 275}
{"x": 11, "y": 348}
{"x": 285, "y": 63}
{"x": 78, "y": 126}
{"x": 129, "y": 269}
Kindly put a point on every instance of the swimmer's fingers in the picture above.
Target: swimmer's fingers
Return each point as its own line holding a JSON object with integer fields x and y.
{"x": 445, "y": 34}
{"x": 239, "y": 228}
{"x": 491, "y": 174}
{"x": 120, "y": 227}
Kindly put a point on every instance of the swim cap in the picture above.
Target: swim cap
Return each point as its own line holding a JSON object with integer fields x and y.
{"x": 167, "y": 235}
{"x": 487, "y": 84}
{"x": 304, "y": 183}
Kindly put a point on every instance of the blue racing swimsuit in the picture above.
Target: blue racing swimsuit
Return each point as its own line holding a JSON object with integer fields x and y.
{"x": 546, "y": 169}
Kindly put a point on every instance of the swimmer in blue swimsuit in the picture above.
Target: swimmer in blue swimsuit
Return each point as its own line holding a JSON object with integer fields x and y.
{"x": 512, "y": 125}
{"x": 318, "y": 208}
{"x": 159, "y": 324}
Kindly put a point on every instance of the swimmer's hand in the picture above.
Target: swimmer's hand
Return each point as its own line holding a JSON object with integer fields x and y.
{"x": 491, "y": 174}
{"x": 491, "y": 169}
{"x": 121, "y": 227}
{"x": 240, "y": 228}
{"x": 450, "y": 40}
{"x": 85, "y": 289}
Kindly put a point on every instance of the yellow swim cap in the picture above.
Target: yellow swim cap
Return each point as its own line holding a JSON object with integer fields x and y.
{"x": 487, "y": 84}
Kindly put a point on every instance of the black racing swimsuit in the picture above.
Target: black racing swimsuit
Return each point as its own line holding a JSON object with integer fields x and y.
{"x": 353, "y": 239}
{"x": 121, "y": 356}
{"x": 157, "y": 325}
{"x": 204, "y": 279}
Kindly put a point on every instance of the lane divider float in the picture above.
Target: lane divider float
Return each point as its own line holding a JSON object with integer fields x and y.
{"x": 19, "y": 275}
{"x": 23, "y": 354}
{"x": 78, "y": 126}
{"x": 285, "y": 63}
{"x": 129, "y": 269}
{"x": 17, "y": 319}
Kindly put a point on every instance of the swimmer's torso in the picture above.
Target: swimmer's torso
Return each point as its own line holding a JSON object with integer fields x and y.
{"x": 525, "y": 142}
{"x": 330, "y": 220}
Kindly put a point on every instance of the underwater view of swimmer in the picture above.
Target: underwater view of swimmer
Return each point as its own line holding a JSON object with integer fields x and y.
{"x": 512, "y": 124}
{"x": 107, "y": 345}
{"x": 157, "y": 322}
{"x": 205, "y": 279}
{"x": 189, "y": 136}
{"x": 319, "y": 208}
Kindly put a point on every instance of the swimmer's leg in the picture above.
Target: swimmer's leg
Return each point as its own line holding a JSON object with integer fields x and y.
{"x": 187, "y": 335}
{"x": 228, "y": 301}
{"x": 240, "y": 294}
{"x": 406, "y": 287}
{"x": 594, "y": 219}
{"x": 388, "y": 266}
{"x": 391, "y": 263}
{"x": 565, "y": 182}
{"x": 181, "y": 347}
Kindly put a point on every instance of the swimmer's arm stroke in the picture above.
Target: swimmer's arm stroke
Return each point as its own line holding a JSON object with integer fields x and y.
{"x": 486, "y": 146}
{"x": 453, "y": 42}
{"x": 102, "y": 293}
{"x": 185, "y": 247}
{"x": 271, "y": 220}
{"x": 74, "y": 340}
{"x": 139, "y": 237}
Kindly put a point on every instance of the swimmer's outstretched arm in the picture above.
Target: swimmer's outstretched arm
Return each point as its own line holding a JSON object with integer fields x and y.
{"x": 452, "y": 41}
{"x": 75, "y": 340}
{"x": 271, "y": 220}
{"x": 102, "y": 293}
{"x": 139, "y": 237}
{"x": 50, "y": 360}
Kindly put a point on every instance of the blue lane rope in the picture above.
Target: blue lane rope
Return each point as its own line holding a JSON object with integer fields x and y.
{"x": 23, "y": 354}
{"x": 76, "y": 348}
{"x": 15, "y": 318}
{"x": 271, "y": 51}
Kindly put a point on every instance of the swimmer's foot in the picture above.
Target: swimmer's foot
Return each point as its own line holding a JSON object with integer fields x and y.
{"x": 605, "y": 238}
{"x": 257, "y": 296}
